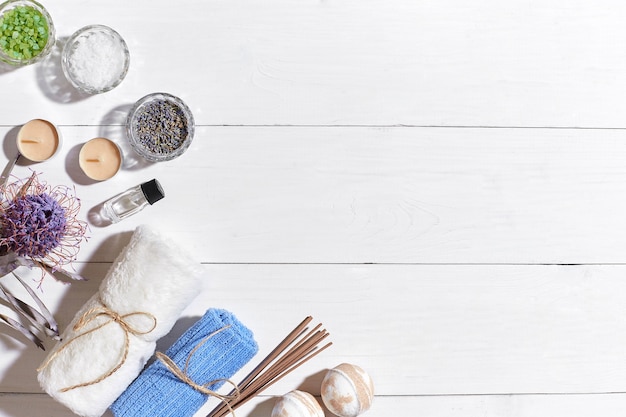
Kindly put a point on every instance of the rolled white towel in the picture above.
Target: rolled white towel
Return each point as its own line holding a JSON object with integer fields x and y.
{"x": 113, "y": 335}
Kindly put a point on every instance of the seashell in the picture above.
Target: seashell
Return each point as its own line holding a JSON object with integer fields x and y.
{"x": 347, "y": 390}
{"x": 297, "y": 404}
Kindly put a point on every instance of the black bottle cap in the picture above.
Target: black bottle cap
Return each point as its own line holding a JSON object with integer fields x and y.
{"x": 153, "y": 191}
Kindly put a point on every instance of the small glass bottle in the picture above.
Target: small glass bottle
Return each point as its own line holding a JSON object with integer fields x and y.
{"x": 132, "y": 201}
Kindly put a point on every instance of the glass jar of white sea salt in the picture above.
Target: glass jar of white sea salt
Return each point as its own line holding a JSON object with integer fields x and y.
{"x": 95, "y": 59}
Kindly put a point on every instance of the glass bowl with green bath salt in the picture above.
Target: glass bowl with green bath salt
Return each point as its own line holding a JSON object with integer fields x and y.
{"x": 160, "y": 127}
{"x": 26, "y": 32}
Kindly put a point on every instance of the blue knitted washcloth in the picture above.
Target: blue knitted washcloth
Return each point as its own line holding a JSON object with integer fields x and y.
{"x": 159, "y": 393}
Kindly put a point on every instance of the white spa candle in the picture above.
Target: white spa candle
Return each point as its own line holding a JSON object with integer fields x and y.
{"x": 38, "y": 140}
{"x": 100, "y": 159}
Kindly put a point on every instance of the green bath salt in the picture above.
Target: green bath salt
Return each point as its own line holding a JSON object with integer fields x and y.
{"x": 24, "y": 32}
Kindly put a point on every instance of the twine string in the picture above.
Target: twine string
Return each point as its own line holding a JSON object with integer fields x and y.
{"x": 183, "y": 374}
{"x": 112, "y": 317}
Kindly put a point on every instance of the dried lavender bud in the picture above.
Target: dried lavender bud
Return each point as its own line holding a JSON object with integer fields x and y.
{"x": 161, "y": 127}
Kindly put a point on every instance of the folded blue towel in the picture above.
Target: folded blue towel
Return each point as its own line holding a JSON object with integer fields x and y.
{"x": 159, "y": 393}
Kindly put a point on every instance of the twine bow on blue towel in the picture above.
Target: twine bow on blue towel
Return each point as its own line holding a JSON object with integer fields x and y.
{"x": 192, "y": 369}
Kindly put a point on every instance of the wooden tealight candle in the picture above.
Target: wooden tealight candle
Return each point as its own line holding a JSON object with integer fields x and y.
{"x": 38, "y": 140}
{"x": 100, "y": 159}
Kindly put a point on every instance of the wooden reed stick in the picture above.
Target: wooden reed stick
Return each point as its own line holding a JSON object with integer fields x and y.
{"x": 277, "y": 350}
{"x": 298, "y": 347}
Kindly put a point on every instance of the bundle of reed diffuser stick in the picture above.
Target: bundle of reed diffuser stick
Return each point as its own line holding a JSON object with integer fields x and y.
{"x": 298, "y": 347}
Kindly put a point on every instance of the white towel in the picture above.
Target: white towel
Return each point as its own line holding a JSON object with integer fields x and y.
{"x": 148, "y": 286}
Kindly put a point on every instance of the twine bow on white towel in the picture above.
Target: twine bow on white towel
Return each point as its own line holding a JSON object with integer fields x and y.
{"x": 112, "y": 317}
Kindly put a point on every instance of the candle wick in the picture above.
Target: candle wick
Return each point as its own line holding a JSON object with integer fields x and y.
{"x": 93, "y": 160}
{"x": 31, "y": 141}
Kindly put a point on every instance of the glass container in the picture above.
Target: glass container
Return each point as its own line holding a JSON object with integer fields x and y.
{"x": 132, "y": 201}
{"x": 160, "y": 127}
{"x": 27, "y": 33}
{"x": 95, "y": 59}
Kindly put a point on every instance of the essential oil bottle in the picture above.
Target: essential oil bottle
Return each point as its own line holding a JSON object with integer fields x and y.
{"x": 132, "y": 201}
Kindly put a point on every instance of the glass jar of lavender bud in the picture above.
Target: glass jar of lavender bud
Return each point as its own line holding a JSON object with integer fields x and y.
{"x": 160, "y": 127}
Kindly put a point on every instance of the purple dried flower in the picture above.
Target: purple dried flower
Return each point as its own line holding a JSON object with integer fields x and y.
{"x": 39, "y": 222}
{"x": 38, "y": 229}
{"x": 33, "y": 225}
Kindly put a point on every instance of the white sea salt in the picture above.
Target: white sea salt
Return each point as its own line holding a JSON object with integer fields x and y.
{"x": 97, "y": 59}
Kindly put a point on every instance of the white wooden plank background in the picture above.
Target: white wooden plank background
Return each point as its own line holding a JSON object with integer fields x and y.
{"x": 441, "y": 183}
{"x": 480, "y": 63}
